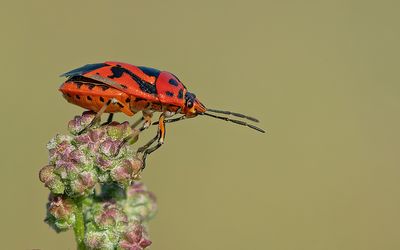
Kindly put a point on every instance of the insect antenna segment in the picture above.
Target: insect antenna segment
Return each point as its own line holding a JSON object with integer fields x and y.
{"x": 234, "y": 114}
{"x": 233, "y": 120}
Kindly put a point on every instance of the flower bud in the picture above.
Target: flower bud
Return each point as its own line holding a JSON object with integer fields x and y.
{"x": 99, "y": 239}
{"x": 123, "y": 173}
{"x": 135, "y": 238}
{"x": 51, "y": 180}
{"x": 60, "y": 213}
{"x": 110, "y": 147}
{"x": 80, "y": 122}
{"x": 119, "y": 131}
{"x": 84, "y": 183}
{"x": 59, "y": 150}
{"x": 110, "y": 215}
{"x": 91, "y": 140}
{"x": 140, "y": 203}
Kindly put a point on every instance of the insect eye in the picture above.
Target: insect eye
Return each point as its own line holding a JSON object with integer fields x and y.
{"x": 189, "y": 104}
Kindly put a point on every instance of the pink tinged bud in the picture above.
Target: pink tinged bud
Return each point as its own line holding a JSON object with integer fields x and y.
{"x": 110, "y": 147}
{"x": 137, "y": 165}
{"x": 61, "y": 150}
{"x": 50, "y": 180}
{"x": 46, "y": 174}
{"x": 103, "y": 163}
{"x": 119, "y": 131}
{"x": 60, "y": 207}
{"x": 78, "y": 157}
{"x": 123, "y": 173}
{"x": 84, "y": 184}
{"x": 142, "y": 202}
{"x": 80, "y": 122}
{"x": 92, "y": 139}
{"x": 66, "y": 169}
{"x": 60, "y": 213}
{"x": 98, "y": 240}
{"x": 110, "y": 216}
{"x": 136, "y": 238}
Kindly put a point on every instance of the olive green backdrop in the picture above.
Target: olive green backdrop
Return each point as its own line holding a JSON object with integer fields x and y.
{"x": 322, "y": 76}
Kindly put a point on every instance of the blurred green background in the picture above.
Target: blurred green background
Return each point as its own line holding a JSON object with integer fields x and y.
{"x": 322, "y": 76}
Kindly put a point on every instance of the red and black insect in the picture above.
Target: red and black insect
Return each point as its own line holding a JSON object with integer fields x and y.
{"x": 120, "y": 87}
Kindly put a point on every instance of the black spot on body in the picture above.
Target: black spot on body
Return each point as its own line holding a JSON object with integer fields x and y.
{"x": 128, "y": 100}
{"x": 89, "y": 98}
{"x": 117, "y": 72}
{"x": 169, "y": 94}
{"x": 120, "y": 105}
{"x": 77, "y": 97}
{"x": 101, "y": 99}
{"x": 138, "y": 99}
{"x": 68, "y": 95}
{"x": 143, "y": 85}
{"x": 78, "y": 84}
{"x": 176, "y": 77}
{"x": 104, "y": 87}
{"x": 180, "y": 94}
{"x": 150, "y": 71}
{"x": 91, "y": 86}
{"x": 173, "y": 82}
{"x": 124, "y": 86}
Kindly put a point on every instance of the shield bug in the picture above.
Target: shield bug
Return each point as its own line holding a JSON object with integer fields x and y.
{"x": 112, "y": 87}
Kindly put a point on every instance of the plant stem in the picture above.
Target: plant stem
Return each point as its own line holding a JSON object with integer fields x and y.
{"x": 79, "y": 227}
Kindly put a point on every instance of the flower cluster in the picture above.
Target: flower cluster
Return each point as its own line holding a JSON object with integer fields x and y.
{"x": 99, "y": 156}
{"x": 122, "y": 221}
{"x": 78, "y": 162}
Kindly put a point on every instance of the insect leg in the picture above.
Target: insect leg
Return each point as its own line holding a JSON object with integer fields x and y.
{"x": 135, "y": 124}
{"x": 160, "y": 136}
{"x": 171, "y": 120}
{"x": 109, "y": 119}
{"x": 147, "y": 119}
{"x": 97, "y": 118}
{"x": 148, "y": 144}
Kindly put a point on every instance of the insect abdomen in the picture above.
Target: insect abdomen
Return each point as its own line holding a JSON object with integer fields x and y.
{"x": 94, "y": 97}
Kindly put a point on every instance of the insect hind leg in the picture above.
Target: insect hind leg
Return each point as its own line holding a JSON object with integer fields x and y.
{"x": 146, "y": 149}
{"x": 97, "y": 118}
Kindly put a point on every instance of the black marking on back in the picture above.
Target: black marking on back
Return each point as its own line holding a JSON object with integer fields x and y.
{"x": 169, "y": 94}
{"x": 89, "y": 98}
{"x": 173, "y": 82}
{"x": 101, "y": 99}
{"x": 138, "y": 99}
{"x": 84, "y": 69}
{"x": 104, "y": 87}
{"x": 143, "y": 85}
{"x": 120, "y": 105}
{"x": 77, "y": 97}
{"x": 128, "y": 100}
{"x": 150, "y": 71}
{"x": 180, "y": 94}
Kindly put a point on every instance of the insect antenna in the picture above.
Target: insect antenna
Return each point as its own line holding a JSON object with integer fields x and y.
{"x": 234, "y": 114}
{"x": 235, "y": 121}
